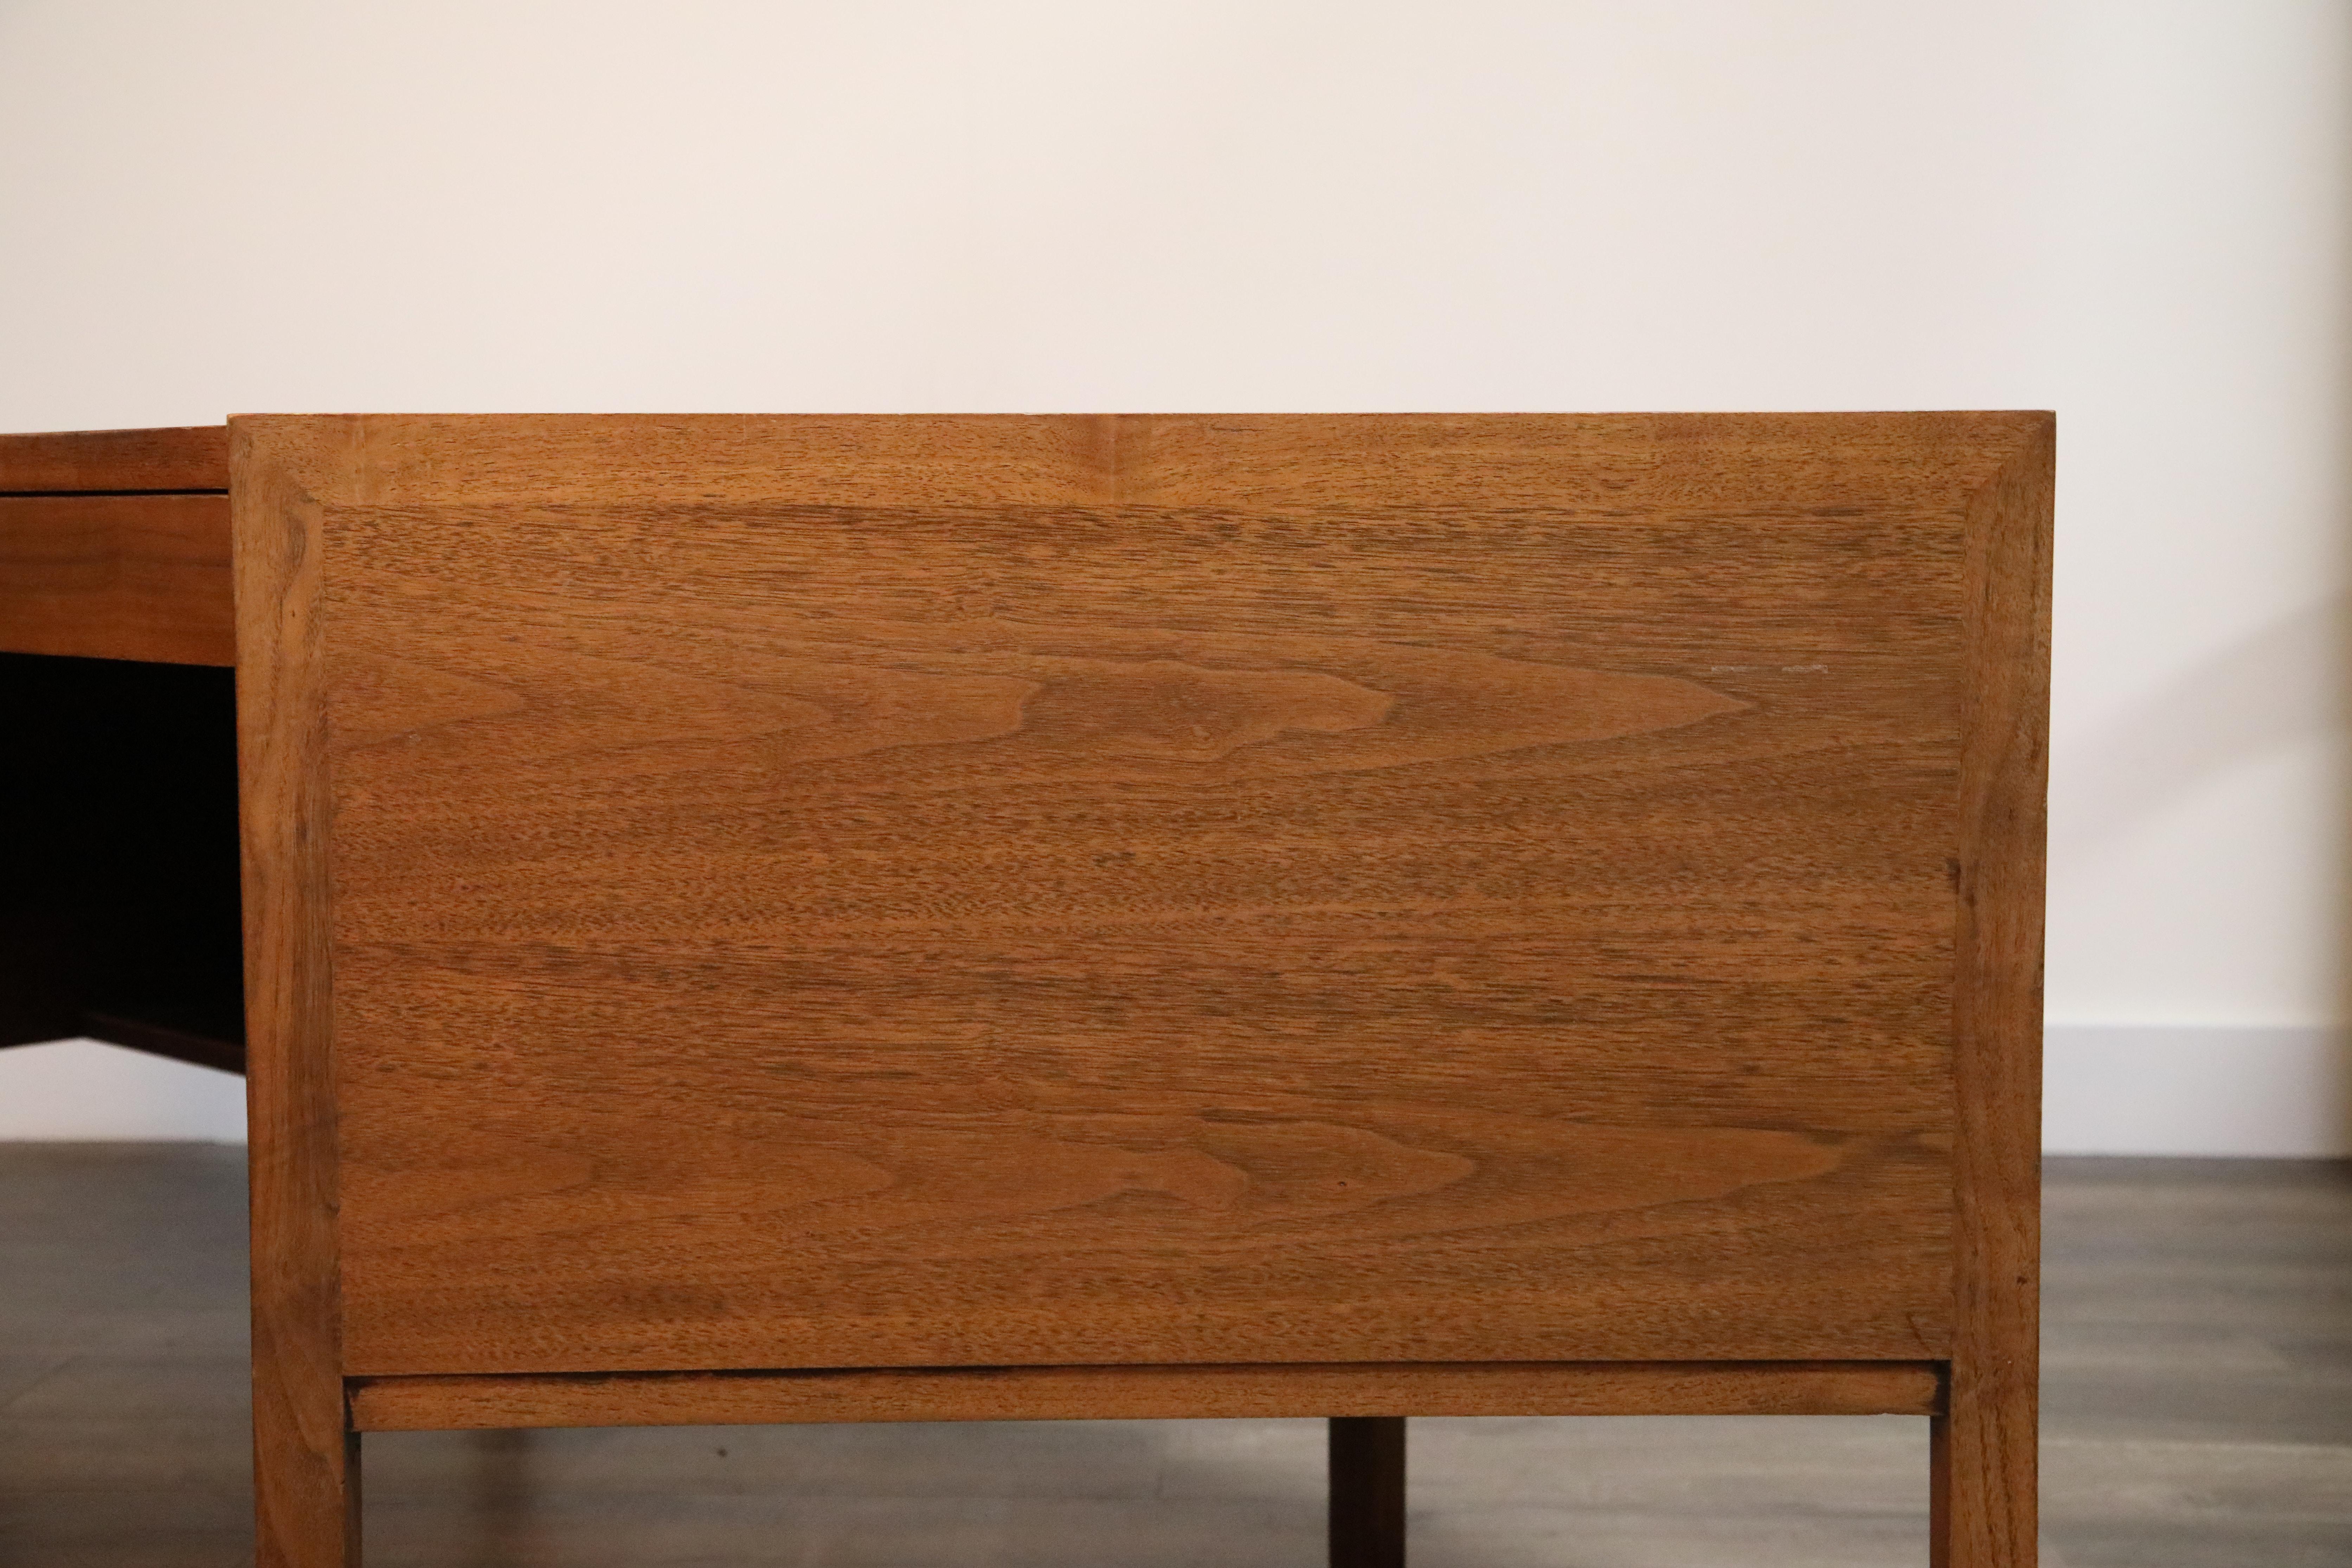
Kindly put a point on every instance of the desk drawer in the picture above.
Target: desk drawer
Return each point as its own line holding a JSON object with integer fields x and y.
{"x": 117, "y": 577}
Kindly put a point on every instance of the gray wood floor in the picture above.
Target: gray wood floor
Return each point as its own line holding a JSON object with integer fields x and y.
{"x": 2199, "y": 1414}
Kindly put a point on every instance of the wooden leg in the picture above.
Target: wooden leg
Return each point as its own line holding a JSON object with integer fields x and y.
{"x": 1368, "y": 1491}
{"x": 1981, "y": 1508}
{"x": 305, "y": 1452}
{"x": 306, "y": 1483}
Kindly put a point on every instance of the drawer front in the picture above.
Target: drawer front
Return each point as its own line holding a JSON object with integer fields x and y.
{"x": 135, "y": 577}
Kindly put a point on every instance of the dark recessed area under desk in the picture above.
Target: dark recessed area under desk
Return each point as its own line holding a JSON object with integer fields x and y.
{"x": 119, "y": 904}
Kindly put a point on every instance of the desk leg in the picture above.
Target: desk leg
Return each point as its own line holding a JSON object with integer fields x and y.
{"x": 305, "y": 1494}
{"x": 1368, "y": 1491}
{"x": 1980, "y": 1488}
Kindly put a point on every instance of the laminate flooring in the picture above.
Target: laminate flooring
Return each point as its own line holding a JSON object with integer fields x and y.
{"x": 2198, "y": 1414}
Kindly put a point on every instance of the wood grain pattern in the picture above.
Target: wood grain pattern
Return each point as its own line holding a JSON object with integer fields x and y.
{"x": 135, "y": 577}
{"x": 305, "y": 1457}
{"x": 181, "y": 458}
{"x": 1985, "y": 1449}
{"x": 1144, "y": 1392}
{"x": 1222, "y": 889}
{"x": 1727, "y": 464}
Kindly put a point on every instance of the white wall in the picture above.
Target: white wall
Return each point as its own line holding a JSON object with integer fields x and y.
{"x": 81, "y": 1089}
{"x": 2200, "y": 797}
{"x": 2133, "y": 210}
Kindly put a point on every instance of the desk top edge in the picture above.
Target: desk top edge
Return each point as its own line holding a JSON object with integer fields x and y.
{"x": 165, "y": 458}
{"x": 196, "y": 457}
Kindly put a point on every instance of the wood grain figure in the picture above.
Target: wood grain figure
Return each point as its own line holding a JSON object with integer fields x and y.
{"x": 1985, "y": 1449}
{"x": 305, "y": 1452}
{"x": 1146, "y": 1393}
{"x": 131, "y": 577}
{"x": 183, "y": 457}
{"x": 745, "y": 897}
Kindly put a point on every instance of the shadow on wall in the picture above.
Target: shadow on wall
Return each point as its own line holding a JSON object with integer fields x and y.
{"x": 2281, "y": 688}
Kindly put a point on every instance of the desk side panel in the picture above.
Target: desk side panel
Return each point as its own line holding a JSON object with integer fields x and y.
{"x": 1405, "y": 890}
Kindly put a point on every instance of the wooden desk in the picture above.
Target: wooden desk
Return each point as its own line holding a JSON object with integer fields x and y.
{"x": 850, "y": 919}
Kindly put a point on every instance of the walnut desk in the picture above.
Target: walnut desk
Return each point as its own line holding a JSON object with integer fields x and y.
{"x": 810, "y": 918}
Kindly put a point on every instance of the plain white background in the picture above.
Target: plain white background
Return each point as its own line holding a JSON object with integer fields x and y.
{"x": 2135, "y": 211}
